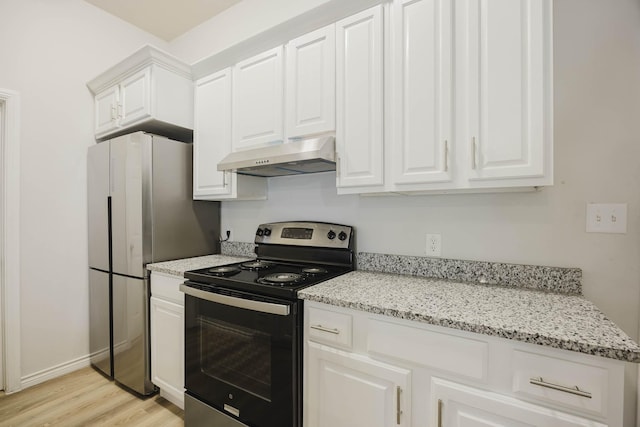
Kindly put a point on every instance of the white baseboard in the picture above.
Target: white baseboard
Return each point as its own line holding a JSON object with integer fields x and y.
{"x": 55, "y": 371}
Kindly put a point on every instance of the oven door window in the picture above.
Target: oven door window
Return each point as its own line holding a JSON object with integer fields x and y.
{"x": 244, "y": 362}
{"x": 236, "y": 355}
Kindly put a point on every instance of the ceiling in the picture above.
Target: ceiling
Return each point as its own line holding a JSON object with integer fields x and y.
{"x": 166, "y": 19}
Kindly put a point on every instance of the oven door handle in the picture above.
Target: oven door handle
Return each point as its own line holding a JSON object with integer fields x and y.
{"x": 263, "y": 307}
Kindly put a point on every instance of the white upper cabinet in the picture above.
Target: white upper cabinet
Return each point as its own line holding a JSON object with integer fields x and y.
{"x": 505, "y": 90}
{"x": 359, "y": 96}
{"x": 258, "y": 100}
{"x": 212, "y": 135}
{"x": 135, "y": 97}
{"x": 311, "y": 83}
{"x": 212, "y": 142}
{"x": 422, "y": 100}
{"x": 149, "y": 91}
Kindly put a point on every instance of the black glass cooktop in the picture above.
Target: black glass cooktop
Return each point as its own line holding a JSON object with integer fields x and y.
{"x": 279, "y": 279}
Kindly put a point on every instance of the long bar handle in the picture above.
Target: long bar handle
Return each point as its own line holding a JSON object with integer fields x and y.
{"x": 260, "y": 306}
{"x": 474, "y": 148}
{"x": 325, "y": 329}
{"x": 446, "y": 155}
{"x": 398, "y": 408}
{"x": 571, "y": 390}
{"x": 440, "y": 412}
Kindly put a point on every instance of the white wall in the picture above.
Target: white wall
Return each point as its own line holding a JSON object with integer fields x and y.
{"x": 597, "y": 159}
{"x": 49, "y": 50}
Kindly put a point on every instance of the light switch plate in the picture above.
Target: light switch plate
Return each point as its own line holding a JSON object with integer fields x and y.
{"x": 607, "y": 218}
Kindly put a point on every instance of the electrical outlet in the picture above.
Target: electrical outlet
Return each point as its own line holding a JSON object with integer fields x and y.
{"x": 434, "y": 245}
{"x": 607, "y": 218}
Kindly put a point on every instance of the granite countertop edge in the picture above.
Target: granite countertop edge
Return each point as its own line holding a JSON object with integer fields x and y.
{"x": 628, "y": 351}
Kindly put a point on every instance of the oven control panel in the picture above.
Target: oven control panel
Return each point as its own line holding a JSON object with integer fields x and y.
{"x": 317, "y": 234}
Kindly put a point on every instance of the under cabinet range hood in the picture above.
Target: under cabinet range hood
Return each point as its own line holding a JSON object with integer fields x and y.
{"x": 290, "y": 158}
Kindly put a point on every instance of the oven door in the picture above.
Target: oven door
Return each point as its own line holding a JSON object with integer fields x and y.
{"x": 243, "y": 354}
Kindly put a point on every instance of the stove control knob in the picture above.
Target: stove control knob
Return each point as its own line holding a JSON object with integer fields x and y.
{"x": 267, "y": 232}
{"x": 342, "y": 235}
{"x": 331, "y": 234}
{"x": 260, "y": 232}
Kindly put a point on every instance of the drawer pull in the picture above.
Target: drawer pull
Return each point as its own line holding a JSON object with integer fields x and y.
{"x": 323, "y": 329}
{"x": 572, "y": 390}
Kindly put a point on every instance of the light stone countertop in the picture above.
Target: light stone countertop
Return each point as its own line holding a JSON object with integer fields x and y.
{"x": 178, "y": 267}
{"x": 567, "y": 322}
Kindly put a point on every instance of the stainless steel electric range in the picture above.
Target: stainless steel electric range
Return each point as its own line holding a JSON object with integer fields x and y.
{"x": 243, "y": 326}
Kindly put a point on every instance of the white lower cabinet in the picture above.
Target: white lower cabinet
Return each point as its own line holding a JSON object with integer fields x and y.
{"x": 370, "y": 370}
{"x": 167, "y": 337}
{"x": 352, "y": 390}
{"x": 457, "y": 405}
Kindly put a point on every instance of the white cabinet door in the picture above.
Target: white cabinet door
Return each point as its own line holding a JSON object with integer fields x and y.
{"x": 506, "y": 65}
{"x": 212, "y": 135}
{"x": 310, "y": 83}
{"x": 135, "y": 97}
{"x": 167, "y": 349}
{"x": 422, "y": 91}
{"x": 106, "y": 109}
{"x": 359, "y": 95}
{"x": 350, "y": 390}
{"x": 258, "y": 100}
{"x": 456, "y": 405}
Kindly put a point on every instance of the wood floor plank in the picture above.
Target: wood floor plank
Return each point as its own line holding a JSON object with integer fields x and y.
{"x": 85, "y": 398}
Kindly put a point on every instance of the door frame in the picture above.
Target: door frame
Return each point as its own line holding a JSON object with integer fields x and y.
{"x": 10, "y": 240}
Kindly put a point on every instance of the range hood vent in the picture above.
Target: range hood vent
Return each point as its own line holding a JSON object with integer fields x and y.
{"x": 290, "y": 158}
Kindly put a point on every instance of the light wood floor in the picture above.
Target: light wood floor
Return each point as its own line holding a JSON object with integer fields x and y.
{"x": 85, "y": 398}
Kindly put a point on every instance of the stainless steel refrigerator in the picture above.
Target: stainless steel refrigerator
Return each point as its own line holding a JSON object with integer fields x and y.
{"x": 140, "y": 211}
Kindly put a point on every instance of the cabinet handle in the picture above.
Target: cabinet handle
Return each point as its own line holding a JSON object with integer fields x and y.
{"x": 113, "y": 113}
{"x": 571, "y": 390}
{"x": 446, "y": 155}
{"x": 119, "y": 110}
{"x": 398, "y": 410}
{"x": 337, "y": 166}
{"x": 473, "y": 156}
{"x": 323, "y": 329}
{"x": 439, "y": 412}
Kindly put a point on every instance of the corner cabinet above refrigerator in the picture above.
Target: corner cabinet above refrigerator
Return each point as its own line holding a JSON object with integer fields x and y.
{"x": 140, "y": 211}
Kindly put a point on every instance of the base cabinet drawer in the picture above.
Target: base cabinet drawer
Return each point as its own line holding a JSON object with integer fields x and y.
{"x": 554, "y": 380}
{"x": 329, "y": 327}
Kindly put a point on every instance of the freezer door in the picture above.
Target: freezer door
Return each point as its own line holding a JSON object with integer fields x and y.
{"x": 97, "y": 194}
{"x": 131, "y": 366}
{"x": 131, "y": 203}
{"x": 99, "y": 329}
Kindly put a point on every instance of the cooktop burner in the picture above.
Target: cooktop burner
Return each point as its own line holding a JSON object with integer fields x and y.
{"x": 314, "y": 271}
{"x": 256, "y": 265}
{"x": 282, "y": 279}
{"x": 224, "y": 270}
